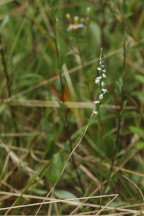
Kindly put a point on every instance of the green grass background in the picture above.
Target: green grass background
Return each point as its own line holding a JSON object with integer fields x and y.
{"x": 35, "y": 134}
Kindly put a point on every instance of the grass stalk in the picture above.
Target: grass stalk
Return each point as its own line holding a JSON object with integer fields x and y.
{"x": 99, "y": 147}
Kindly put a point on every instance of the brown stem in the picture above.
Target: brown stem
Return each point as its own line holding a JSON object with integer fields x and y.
{"x": 8, "y": 88}
{"x": 4, "y": 66}
{"x": 119, "y": 116}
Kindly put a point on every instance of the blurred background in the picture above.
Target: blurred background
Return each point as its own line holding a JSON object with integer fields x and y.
{"x": 48, "y": 65}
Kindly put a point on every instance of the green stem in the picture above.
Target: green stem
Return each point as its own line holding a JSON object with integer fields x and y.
{"x": 99, "y": 147}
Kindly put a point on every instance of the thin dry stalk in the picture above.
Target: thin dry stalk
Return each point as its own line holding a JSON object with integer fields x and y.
{"x": 108, "y": 204}
{"x": 135, "y": 186}
{"x": 68, "y": 201}
{"x": 69, "y": 104}
{"x": 5, "y": 1}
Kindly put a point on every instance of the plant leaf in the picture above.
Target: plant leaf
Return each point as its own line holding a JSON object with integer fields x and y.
{"x": 137, "y": 131}
{"x": 62, "y": 194}
{"x": 49, "y": 37}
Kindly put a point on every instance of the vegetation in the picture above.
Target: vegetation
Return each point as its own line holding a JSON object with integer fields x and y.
{"x": 66, "y": 148}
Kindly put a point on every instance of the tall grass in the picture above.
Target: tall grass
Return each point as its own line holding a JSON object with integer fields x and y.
{"x": 65, "y": 147}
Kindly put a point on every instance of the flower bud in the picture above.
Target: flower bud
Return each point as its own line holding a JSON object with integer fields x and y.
{"x": 88, "y": 10}
{"x": 68, "y": 16}
{"x": 76, "y": 18}
{"x": 57, "y": 20}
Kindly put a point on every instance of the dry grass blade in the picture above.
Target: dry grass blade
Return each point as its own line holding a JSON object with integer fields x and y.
{"x": 22, "y": 149}
{"x": 16, "y": 160}
{"x": 93, "y": 212}
{"x": 5, "y": 1}
{"x": 72, "y": 91}
{"x": 116, "y": 195}
{"x": 71, "y": 202}
{"x": 89, "y": 174}
{"x": 124, "y": 170}
{"x": 69, "y": 82}
{"x": 69, "y": 104}
{"x": 135, "y": 186}
{"x": 67, "y": 201}
{"x": 19, "y": 134}
{"x": 123, "y": 213}
{"x": 4, "y": 167}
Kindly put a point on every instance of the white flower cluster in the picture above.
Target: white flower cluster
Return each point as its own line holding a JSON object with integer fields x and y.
{"x": 100, "y": 81}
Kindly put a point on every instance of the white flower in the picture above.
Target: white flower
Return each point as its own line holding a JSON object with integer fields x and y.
{"x": 96, "y": 102}
{"x": 104, "y": 71}
{"x": 98, "y": 68}
{"x": 101, "y": 62}
{"x": 101, "y": 96}
{"x": 104, "y": 91}
{"x": 97, "y": 79}
{"x": 104, "y": 76}
{"x": 102, "y": 84}
{"x": 95, "y": 112}
{"x": 102, "y": 66}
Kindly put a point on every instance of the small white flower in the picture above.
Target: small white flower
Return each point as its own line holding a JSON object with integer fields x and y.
{"x": 97, "y": 79}
{"x": 102, "y": 84}
{"x": 104, "y": 91}
{"x": 101, "y": 96}
{"x": 102, "y": 66}
{"x": 104, "y": 76}
{"x": 104, "y": 70}
{"x": 96, "y": 102}
{"x": 95, "y": 112}
{"x": 101, "y": 62}
{"x": 98, "y": 68}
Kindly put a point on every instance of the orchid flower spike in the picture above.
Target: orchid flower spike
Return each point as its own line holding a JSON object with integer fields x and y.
{"x": 100, "y": 81}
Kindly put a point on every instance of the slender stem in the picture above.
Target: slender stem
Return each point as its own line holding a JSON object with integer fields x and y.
{"x": 121, "y": 106}
{"x": 99, "y": 147}
{"x": 4, "y": 63}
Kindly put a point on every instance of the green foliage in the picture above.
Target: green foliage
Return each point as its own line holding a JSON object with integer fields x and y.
{"x": 137, "y": 131}
{"x": 38, "y": 131}
{"x": 61, "y": 194}
{"x": 56, "y": 168}
{"x": 49, "y": 37}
